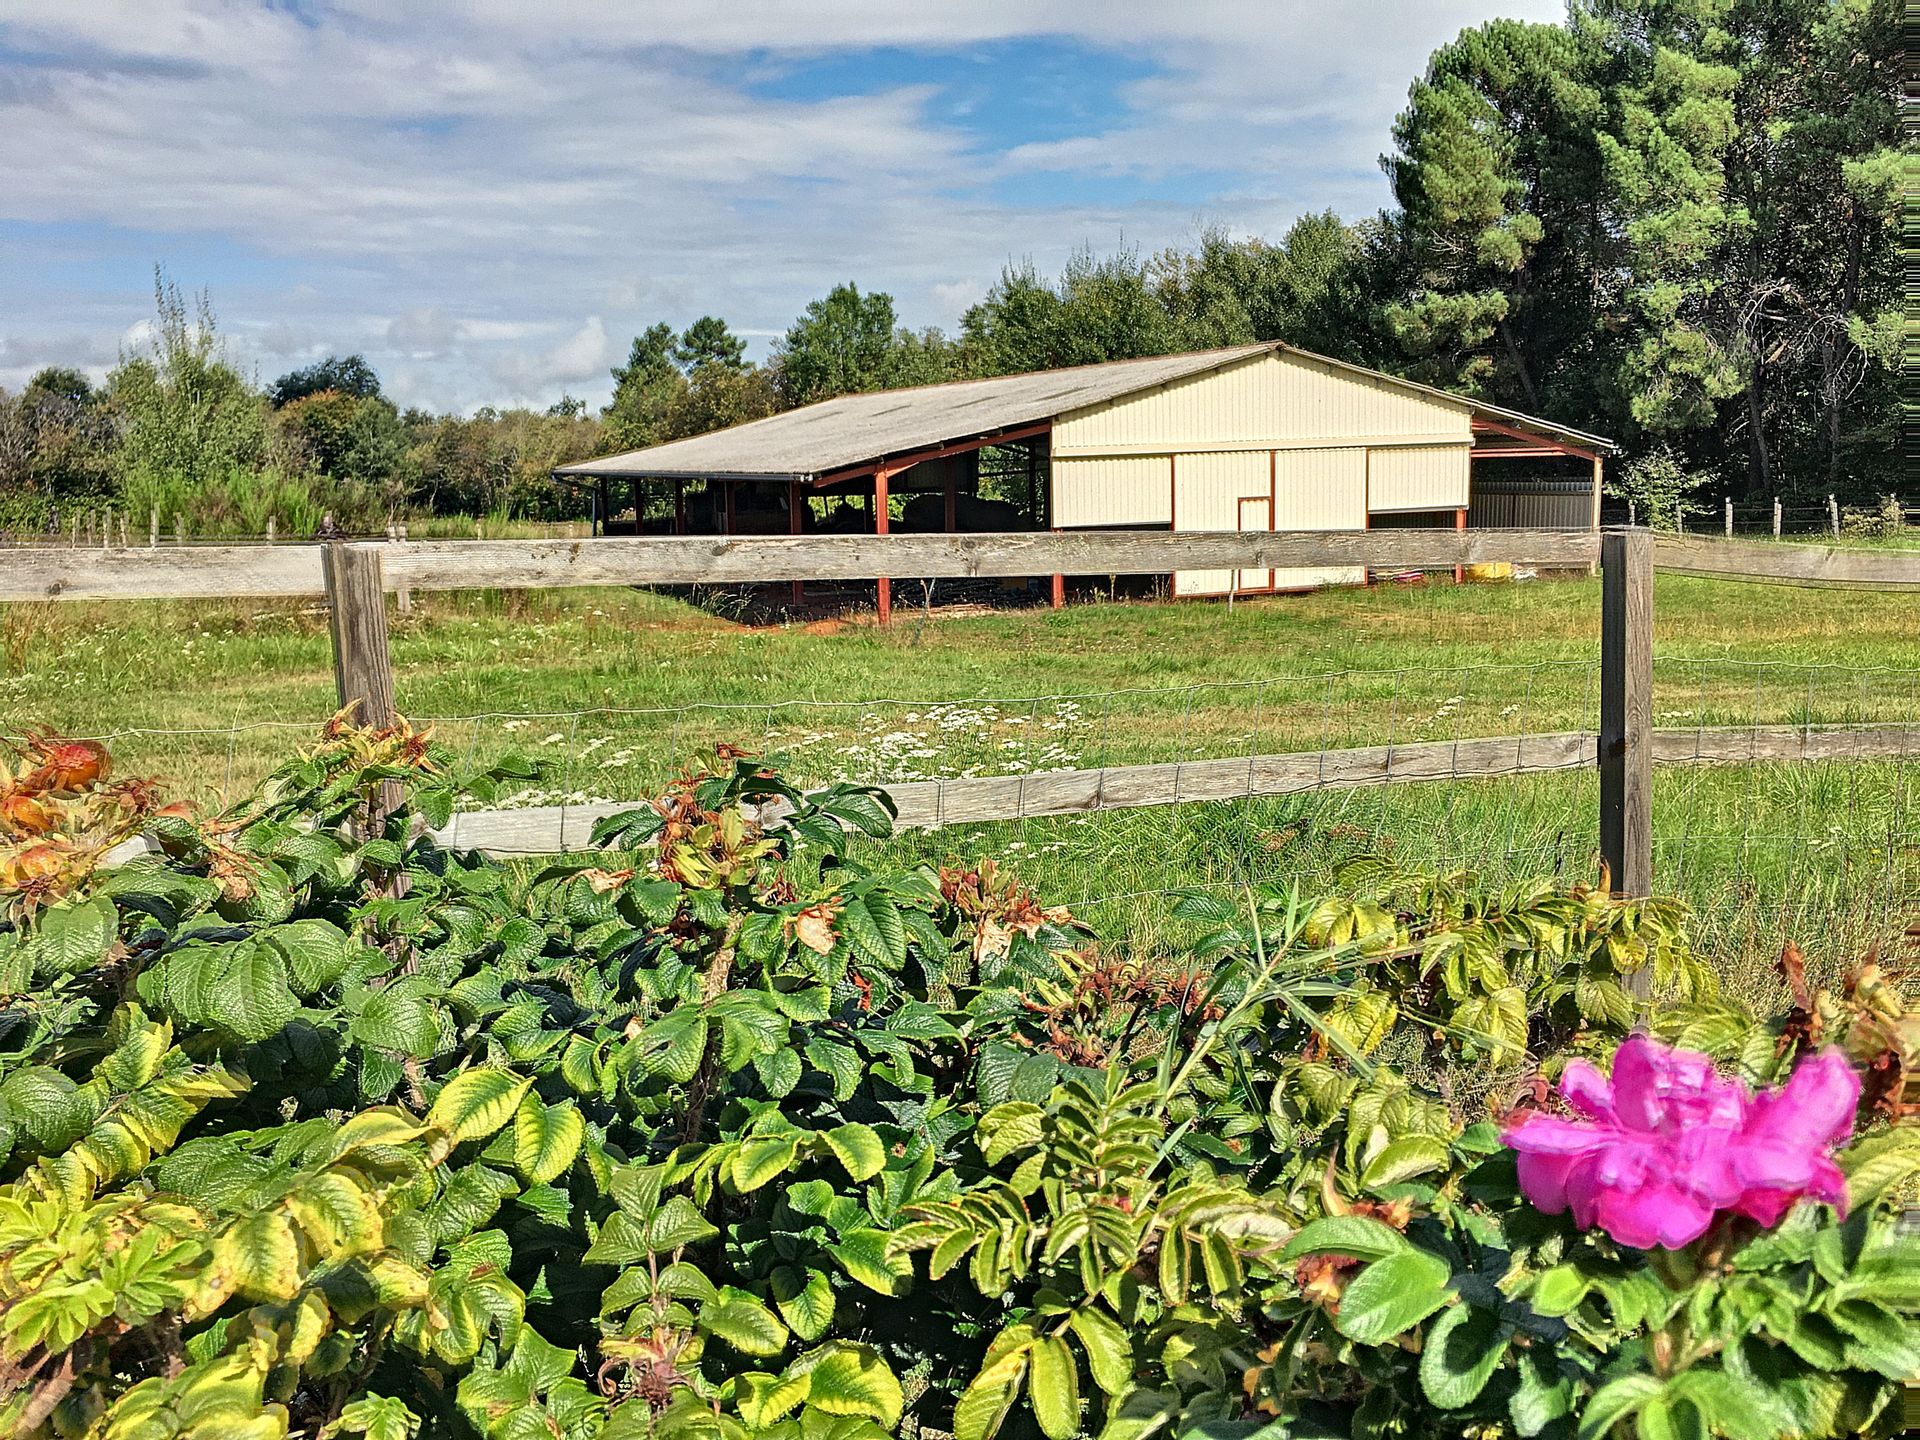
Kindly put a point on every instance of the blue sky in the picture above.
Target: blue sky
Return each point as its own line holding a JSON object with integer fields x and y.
{"x": 488, "y": 199}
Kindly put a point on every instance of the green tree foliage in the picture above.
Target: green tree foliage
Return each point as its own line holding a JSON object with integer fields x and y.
{"x": 58, "y": 439}
{"x": 848, "y": 342}
{"x": 1669, "y": 222}
{"x": 189, "y": 418}
{"x": 1102, "y": 308}
{"x": 708, "y": 341}
{"x": 347, "y": 375}
{"x": 1495, "y": 176}
{"x": 642, "y": 390}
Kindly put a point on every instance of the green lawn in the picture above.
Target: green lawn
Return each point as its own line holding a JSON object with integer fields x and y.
{"x": 615, "y": 689}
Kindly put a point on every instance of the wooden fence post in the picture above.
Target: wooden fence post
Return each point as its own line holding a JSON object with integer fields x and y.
{"x": 1729, "y": 517}
{"x": 357, "y": 620}
{"x": 272, "y": 530}
{"x": 1626, "y": 711}
{"x": 1833, "y": 514}
{"x": 1776, "y": 517}
{"x": 179, "y": 530}
{"x": 153, "y": 528}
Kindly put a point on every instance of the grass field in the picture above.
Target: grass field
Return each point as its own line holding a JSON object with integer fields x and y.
{"x": 613, "y": 690}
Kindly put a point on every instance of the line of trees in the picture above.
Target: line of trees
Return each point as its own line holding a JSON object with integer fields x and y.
{"x": 1674, "y": 222}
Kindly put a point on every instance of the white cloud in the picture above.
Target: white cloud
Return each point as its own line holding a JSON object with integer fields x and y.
{"x": 486, "y": 194}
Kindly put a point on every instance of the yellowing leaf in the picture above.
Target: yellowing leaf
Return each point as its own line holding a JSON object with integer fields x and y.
{"x": 1054, "y": 1388}
{"x": 546, "y": 1138}
{"x": 853, "y": 1380}
{"x": 475, "y": 1103}
{"x": 859, "y": 1149}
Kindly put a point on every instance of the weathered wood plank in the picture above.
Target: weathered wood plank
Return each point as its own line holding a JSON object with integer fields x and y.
{"x": 1732, "y": 746}
{"x": 32, "y": 573}
{"x": 730, "y": 560}
{"x": 357, "y": 619}
{"x": 1788, "y": 564}
{"x": 176, "y": 573}
{"x": 930, "y": 804}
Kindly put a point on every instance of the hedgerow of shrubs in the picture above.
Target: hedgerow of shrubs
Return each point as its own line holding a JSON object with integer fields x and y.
{"x": 312, "y": 1125}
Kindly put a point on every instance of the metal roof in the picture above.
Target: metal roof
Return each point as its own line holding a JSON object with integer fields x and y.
{"x": 852, "y": 431}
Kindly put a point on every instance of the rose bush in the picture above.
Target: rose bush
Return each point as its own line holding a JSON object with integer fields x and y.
{"x": 734, "y": 1131}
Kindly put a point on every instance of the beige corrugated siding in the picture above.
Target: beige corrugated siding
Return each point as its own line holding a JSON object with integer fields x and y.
{"x": 1417, "y": 477}
{"x": 1287, "y": 490}
{"x": 1207, "y": 491}
{"x": 1271, "y": 399}
{"x": 1122, "y": 490}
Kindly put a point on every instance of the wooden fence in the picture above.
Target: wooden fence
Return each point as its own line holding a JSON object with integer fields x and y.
{"x": 1624, "y": 748}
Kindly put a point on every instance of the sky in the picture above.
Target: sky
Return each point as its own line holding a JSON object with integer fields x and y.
{"x": 488, "y": 199}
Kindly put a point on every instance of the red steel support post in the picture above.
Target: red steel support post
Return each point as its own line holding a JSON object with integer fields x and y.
{"x": 883, "y": 589}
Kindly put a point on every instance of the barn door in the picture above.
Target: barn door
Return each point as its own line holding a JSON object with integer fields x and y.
{"x": 1256, "y": 513}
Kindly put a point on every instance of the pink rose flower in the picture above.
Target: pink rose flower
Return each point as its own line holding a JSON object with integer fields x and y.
{"x": 1667, "y": 1143}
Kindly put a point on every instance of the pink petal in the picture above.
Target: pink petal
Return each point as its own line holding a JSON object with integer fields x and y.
{"x": 1543, "y": 1180}
{"x": 1540, "y": 1133}
{"x": 1587, "y": 1090}
{"x": 1636, "y": 1082}
{"x": 1829, "y": 1185}
{"x": 1815, "y": 1108}
{"x": 1656, "y": 1214}
{"x": 1769, "y": 1207}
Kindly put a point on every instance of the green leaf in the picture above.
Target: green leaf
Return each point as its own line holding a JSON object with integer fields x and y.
{"x": 396, "y": 1022}
{"x": 1054, "y": 1388}
{"x": 778, "y": 1072}
{"x": 1879, "y": 1340}
{"x": 1404, "y": 1159}
{"x": 985, "y": 1402}
{"x": 805, "y": 1300}
{"x": 1393, "y": 1295}
{"x": 477, "y": 1102}
{"x": 1355, "y": 1235}
{"x": 1671, "y": 1416}
{"x": 1459, "y": 1355}
{"x": 1541, "y": 1396}
{"x": 1558, "y": 1291}
{"x": 759, "y": 1161}
{"x": 864, "y": 1255}
{"x": 673, "y": 1045}
{"x": 378, "y": 1417}
{"x": 1109, "y": 1351}
{"x": 546, "y": 1138}
{"x": 743, "y": 1322}
{"x": 839, "y": 1061}
{"x": 850, "y": 1379}
{"x": 74, "y": 935}
{"x": 253, "y": 999}
{"x": 1614, "y": 1402}
{"x": 859, "y": 1149}
{"x": 316, "y": 952}
{"x": 675, "y": 1224}
{"x": 46, "y": 1107}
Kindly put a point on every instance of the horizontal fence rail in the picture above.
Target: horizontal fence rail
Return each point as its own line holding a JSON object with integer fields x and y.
{"x": 1788, "y": 564}
{"x": 233, "y": 571}
{"x": 936, "y": 804}
{"x": 214, "y": 571}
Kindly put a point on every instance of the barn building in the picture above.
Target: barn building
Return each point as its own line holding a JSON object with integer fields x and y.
{"x": 1252, "y": 437}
